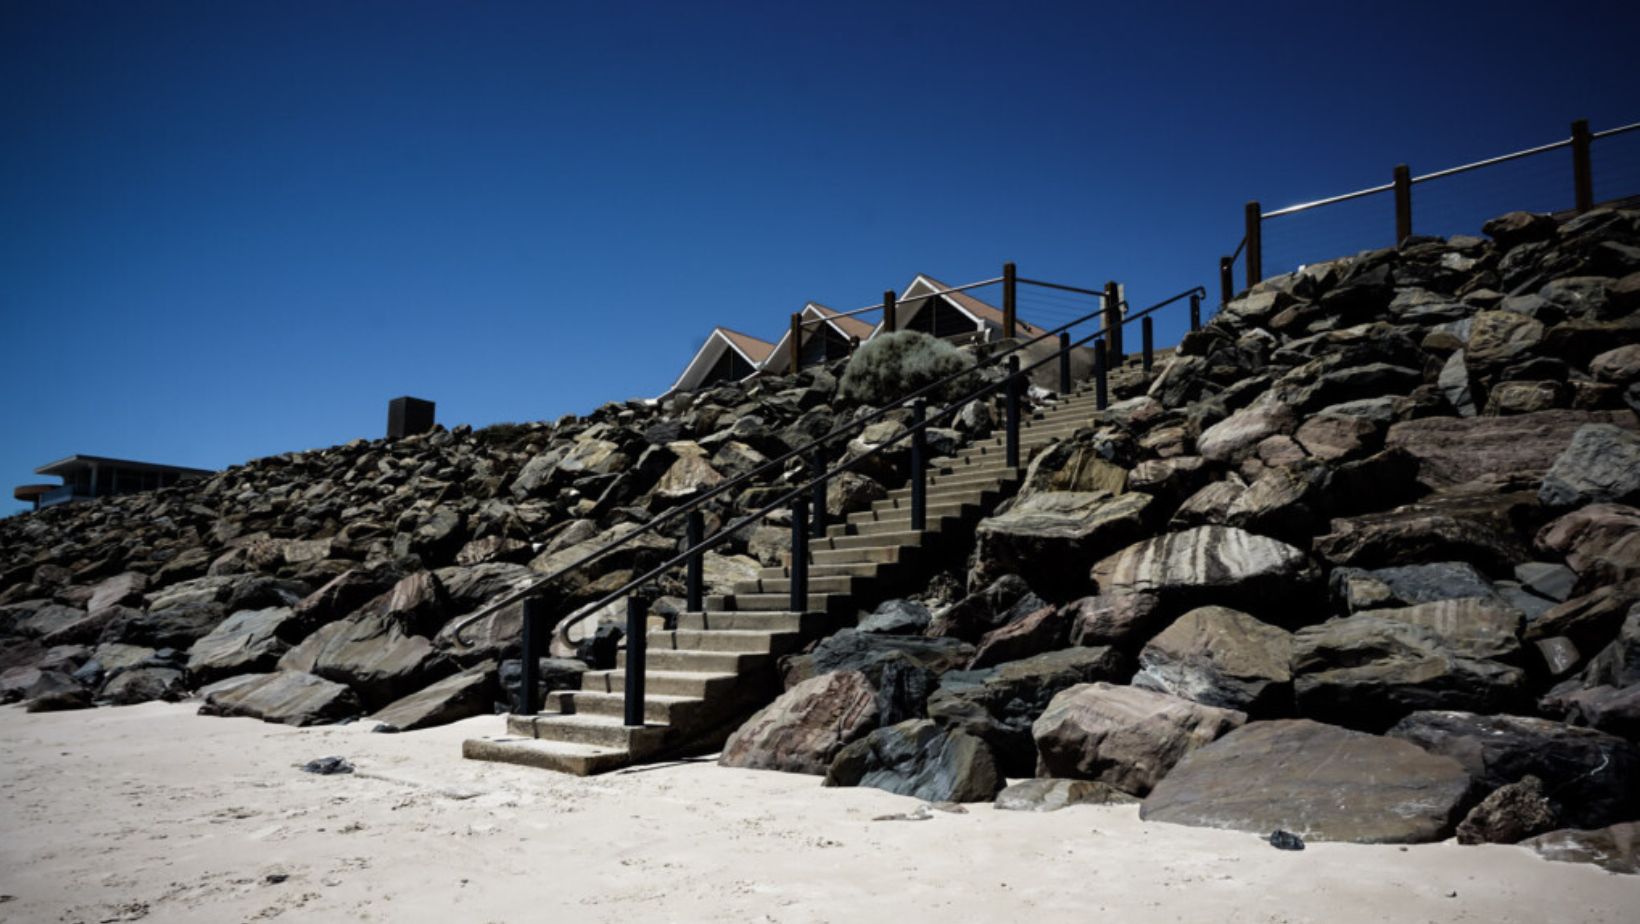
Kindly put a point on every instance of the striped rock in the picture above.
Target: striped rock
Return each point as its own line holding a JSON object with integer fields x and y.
{"x": 1216, "y": 565}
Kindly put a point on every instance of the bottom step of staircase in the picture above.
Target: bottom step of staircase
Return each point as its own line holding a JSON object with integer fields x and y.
{"x": 562, "y": 756}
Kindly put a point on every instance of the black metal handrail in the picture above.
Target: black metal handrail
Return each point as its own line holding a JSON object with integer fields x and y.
{"x": 1580, "y": 143}
{"x": 694, "y": 503}
{"x": 796, "y": 497}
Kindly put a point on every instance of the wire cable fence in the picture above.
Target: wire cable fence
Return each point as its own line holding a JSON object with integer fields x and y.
{"x": 1573, "y": 174}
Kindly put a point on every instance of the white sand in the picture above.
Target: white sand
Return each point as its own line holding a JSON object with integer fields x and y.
{"x": 152, "y": 812}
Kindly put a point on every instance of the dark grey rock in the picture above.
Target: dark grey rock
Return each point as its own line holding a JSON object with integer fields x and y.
{"x": 1589, "y": 773}
{"x": 919, "y": 759}
{"x": 1318, "y": 781}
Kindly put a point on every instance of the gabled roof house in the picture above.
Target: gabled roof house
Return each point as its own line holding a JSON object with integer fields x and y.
{"x": 827, "y": 335}
{"x": 925, "y": 305}
{"x": 726, "y": 356}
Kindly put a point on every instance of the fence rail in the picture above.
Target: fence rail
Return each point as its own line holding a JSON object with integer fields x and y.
{"x": 1580, "y": 143}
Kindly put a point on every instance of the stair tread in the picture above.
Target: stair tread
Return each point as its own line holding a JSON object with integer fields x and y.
{"x": 573, "y": 748}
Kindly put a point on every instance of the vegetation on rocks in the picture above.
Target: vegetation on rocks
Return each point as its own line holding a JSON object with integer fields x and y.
{"x": 891, "y": 366}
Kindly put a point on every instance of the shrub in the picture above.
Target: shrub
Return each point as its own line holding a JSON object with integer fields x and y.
{"x": 889, "y": 367}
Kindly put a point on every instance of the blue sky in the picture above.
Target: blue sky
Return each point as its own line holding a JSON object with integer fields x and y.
{"x": 236, "y": 229}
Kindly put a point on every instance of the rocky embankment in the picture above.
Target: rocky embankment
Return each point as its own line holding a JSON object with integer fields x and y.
{"x": 1361, "y": 562}
{"x": 322, "y": 586}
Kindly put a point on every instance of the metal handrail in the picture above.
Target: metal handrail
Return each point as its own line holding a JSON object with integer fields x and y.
{"x": 1062, "y": 287}
{"x": 666, "y": 516}
{"x": 1237, "y": 252}
{"x": 1438, "y": 174}
{"x": 712, "y": 541}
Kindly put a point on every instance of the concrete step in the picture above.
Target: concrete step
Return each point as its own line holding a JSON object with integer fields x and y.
{"x": 832, "y": 604}
{"x": 596, "y": 730}
{"x": 671, "y": 711}
{"x": 948, "y": 508}
{"x": 559, "y": 756}
{"x": 859, "y": 569}
{"x": 696, "y": 662}
{"x": 757, "y": 641}
{"x": 895, "y": 525}
{"x": 696, "y": 684}
{"x": 874, "y": 555}
{"x": 831, "y": 584}
{"x": 772, "y": 621}
{"x": 963, "y": 496}
{"x": 904, "y": 537}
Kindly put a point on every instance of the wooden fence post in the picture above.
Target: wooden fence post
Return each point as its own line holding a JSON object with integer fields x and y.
{"x": 1009, "y": 314}
{"x": 1403, "y": 203}
{"x": 888, "y": 312}
{"x": 1254, "y": 218}
{"x": 1582, "y": 168}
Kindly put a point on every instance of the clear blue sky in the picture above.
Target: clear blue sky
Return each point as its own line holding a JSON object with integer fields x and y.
{"x": 230, "y": 229}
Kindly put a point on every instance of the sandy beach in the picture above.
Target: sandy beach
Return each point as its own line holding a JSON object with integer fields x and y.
{"x": 152, "y": 813}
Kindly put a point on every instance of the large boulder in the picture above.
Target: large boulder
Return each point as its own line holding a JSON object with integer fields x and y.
{"x": 144, "y": 684}
{"x": 1212, "y": 565}
{"x": 1511, "y": 813}
{"x": 1050, "y": 795}
{"x": 1245, "y": 429}
{"x": 1615, "y": 848}
{"x": 1033, "y": 634}
{"x": 1124, "y": 736}
{"x": 286, "y": 697}
{"x": 853, "y": 650}
{"x": 1601, "y": 542}
{"x": 920, "y": 759}
{"x": 247, "y": 642}
{"x": 1318, "y": 781}
{"x": 802, "y": 730}
{"x": 174, "y": 627}
{"x": 1473, "y": 627}
{"x": 1602, "y": 464}
{"x": 1369, "y": 671}
{"x": 999, "y": 704}
{"x": 1590, "y": 774}
{"x": 1482, "y": 529}
{"x": 1454, "y": 450}
{"x": 372, "y": 654}
{"x": 1049, "y": 537}
{"x": 1221, "y": 657}
{"x": 459, "y": 696}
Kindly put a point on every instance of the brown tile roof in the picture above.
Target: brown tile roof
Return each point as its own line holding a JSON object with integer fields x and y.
{"x": 851, "y": 325}
{"x": 756, "y": 350}
{"x": 975, "y": 307}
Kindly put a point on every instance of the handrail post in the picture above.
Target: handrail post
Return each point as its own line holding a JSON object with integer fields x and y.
{"x": 800, "y": 556}
{"x": 637, "y": 642}
{"x": 1582, "y": 168}
{"x": 1196, "y": 309}
{"x": 1009, "y": 311}
{"x": 1012, "y": 439}
{"x": 1113, "y": 320}
{"x": 889, "y": 299}
{"x": 529, "y": 653}
{"x": 919, "y": 468}
{"x": 1064, "y": 363}
{"x": 1403, "y": 203}
{"x": 1101, "y": 395}
{"x": 796, "y": 357}
{"x": 1148, "y": 335}
{"x": 1227, "y": 280}
{"x": 694, "y": 531}
{"x": 1254, "y": 217}
{"x": 817, "y": 493}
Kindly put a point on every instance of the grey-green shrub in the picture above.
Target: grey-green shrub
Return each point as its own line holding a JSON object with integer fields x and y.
{"x": 891, "y": 366}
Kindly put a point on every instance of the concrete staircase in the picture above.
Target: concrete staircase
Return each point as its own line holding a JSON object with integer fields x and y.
{"x": 703, "y": 677}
